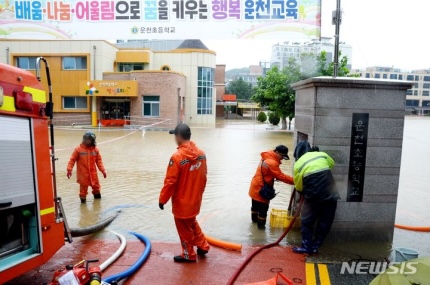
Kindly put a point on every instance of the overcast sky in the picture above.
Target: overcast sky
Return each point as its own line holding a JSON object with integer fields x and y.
{"x": 381, "y": 32}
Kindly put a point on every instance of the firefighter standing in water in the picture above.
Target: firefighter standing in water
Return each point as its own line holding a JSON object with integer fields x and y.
{"x": 266, "y": 172}
{"x": 87, "y": 157}
{"x": 314, "y": 180}
{"x": 185, "y": 183}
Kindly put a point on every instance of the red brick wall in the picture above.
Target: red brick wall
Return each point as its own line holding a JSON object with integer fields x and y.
{"x": 163, "y": 84}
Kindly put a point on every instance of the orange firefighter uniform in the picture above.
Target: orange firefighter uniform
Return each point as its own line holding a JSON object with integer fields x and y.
{"x": 270, "y": 171}
{"x": 86, "y": 158}
{"x": 185, "y": 183}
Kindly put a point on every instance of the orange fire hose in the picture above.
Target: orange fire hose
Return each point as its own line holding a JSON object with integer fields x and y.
{"x": 223, "y": 244}
{"x": 413, "y": 228}
{"x": 267, "y": 246}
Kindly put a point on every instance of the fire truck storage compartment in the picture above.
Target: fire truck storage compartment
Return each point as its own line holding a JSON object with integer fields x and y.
{"x": 19, "y": 229}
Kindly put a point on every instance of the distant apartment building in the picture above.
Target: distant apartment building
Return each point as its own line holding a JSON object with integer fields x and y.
{"x": 281, "y": 53}
{"x": 418, "y": 96}
{"x": 251, "y": 77}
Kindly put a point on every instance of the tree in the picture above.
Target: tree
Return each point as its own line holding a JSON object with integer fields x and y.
{"x": 242, "y": 89}
{"x": 262, "y": 117}
{"x": 275, "y": 93}
{"x": 324, "y": 69}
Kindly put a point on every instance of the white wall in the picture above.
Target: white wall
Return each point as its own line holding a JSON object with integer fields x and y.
{"x": 188, "y": 63}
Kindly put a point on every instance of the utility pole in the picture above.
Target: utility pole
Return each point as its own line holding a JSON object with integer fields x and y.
{"x": 336, "y": 20}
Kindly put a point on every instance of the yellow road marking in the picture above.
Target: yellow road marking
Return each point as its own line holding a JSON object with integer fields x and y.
{"x": 8, "y": 104}
{"x": 37, "y": 94}
{"x": 310, "y": 274}
{"x": 323, "y": 272}
{"x": 47, "y": 211}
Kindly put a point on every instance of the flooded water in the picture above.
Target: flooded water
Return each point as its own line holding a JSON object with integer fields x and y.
{"x": 136, "y": 163}
{"x": 136, "y": 166}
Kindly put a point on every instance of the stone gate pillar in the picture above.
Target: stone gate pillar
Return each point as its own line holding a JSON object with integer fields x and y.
{"x": 359, "y": 122}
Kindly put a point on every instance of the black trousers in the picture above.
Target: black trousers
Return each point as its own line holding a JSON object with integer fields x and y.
{"x": 319, "y": 212}
{"x": 260, "y": 208}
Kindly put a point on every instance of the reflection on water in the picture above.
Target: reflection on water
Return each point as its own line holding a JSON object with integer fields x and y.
{"x": 136, "y": 167}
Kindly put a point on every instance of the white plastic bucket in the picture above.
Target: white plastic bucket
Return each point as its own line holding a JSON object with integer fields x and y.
{"x": 405, "y": 254}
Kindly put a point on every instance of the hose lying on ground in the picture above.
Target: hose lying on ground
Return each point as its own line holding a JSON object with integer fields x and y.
{"x": 79, "y": 232}
{"x": 223, "y": 244}
{"x": 258, "y": 250}
{"x": 117, "y": 253}
{"x": 413, "y": 228}
{"x": 132, "y": 269}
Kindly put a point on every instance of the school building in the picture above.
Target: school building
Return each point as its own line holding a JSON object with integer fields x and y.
{"x": 96, "y": 82}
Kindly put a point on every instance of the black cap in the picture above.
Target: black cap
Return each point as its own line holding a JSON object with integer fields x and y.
{"x": 282, "y": 150}
{"x": 181, "y": 130}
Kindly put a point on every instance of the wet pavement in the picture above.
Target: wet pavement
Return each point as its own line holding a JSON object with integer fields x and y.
{"x": 136, "y": 166}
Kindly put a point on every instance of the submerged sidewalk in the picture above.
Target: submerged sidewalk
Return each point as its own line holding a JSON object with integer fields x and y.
{"x": 215, "y": 269}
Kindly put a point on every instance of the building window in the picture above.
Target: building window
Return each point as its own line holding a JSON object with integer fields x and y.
{"x": 151, "y": 106}
{"x": 377, "y": 75}
{"x": 426, "y": 93}
{"x": 415, "y": 85}
{"x": 417, "y": 78}
{"x": 74, "y": 63}
{"x": 367, "y": 75}
{"x": 426, "y": 78}
{"x": 426, "y": 103}
{"x": 410, "y": 77}
{"x": 385, "y": 76}
{"x": 415, "y": 92}
{"x": 27, "y": 62}
{"x": 393, "y": 76}
{"x": 412, "y": 103}
{"x": 204, "y": 90}
{"x": 400, "y": 77}
{"x": 426, "y": 85}
{"x": 409, "y": 92}
{"x": 75, "y": 103}
{"x": 129, "y": 66}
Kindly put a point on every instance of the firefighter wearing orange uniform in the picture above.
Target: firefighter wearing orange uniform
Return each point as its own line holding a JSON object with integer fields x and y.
{"x": 269, "y": 169}
{"x": 87, "y": 157}
{"x": 184, "y": 184}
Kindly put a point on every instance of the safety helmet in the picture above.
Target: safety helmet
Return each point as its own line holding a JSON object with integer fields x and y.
{"x": 90, "y": 135}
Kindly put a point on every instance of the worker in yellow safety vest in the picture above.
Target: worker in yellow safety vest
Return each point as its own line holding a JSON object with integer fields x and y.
{"x": 314, "y": 180}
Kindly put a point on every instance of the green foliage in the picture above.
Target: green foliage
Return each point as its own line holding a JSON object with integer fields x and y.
{"x": 275, "y": 93}
{"x": 262, "y": 117}
{"x": 324, "y": 69}
{"x": 274, "y": 119}
{"x": 242, "y": 89}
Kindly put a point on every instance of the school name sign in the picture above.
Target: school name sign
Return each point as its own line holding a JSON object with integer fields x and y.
{"x": 160, "y": 19}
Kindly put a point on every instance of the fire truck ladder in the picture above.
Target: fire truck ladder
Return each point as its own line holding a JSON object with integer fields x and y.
{"x": 60, "y": 215}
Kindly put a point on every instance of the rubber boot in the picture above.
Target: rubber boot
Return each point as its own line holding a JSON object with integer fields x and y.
{"x": 83, "y": 199}
{"x": 317, "y": 244}
{"x": 254, "y": 216}
{"x": 261, "y": 223}
{"x": 201, "y": 252}
{"x": 97, "y": 196}
{"x": 181, "y": 259}
{"x": 306, "y": 248}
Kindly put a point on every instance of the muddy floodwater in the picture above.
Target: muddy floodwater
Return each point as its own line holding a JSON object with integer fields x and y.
{"x": 136, "y": 162}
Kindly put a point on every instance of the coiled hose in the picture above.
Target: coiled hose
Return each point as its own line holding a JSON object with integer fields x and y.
{"x": 270, "y": 245}
{"x": 132, "y": 269}
{"x": 79, "y": 232}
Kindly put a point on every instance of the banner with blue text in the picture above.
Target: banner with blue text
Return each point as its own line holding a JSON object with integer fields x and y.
{"x": 160, "y": 19}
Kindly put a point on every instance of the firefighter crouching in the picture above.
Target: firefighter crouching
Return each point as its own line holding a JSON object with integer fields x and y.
{"x": 314, "y": 180}
{"x": 185, "y": 183}
{"x": 87, "y": 157}
{"x": 261, "y": 190}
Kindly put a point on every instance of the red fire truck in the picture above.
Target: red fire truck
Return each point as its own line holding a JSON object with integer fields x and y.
{"x": 32, "y": 222}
